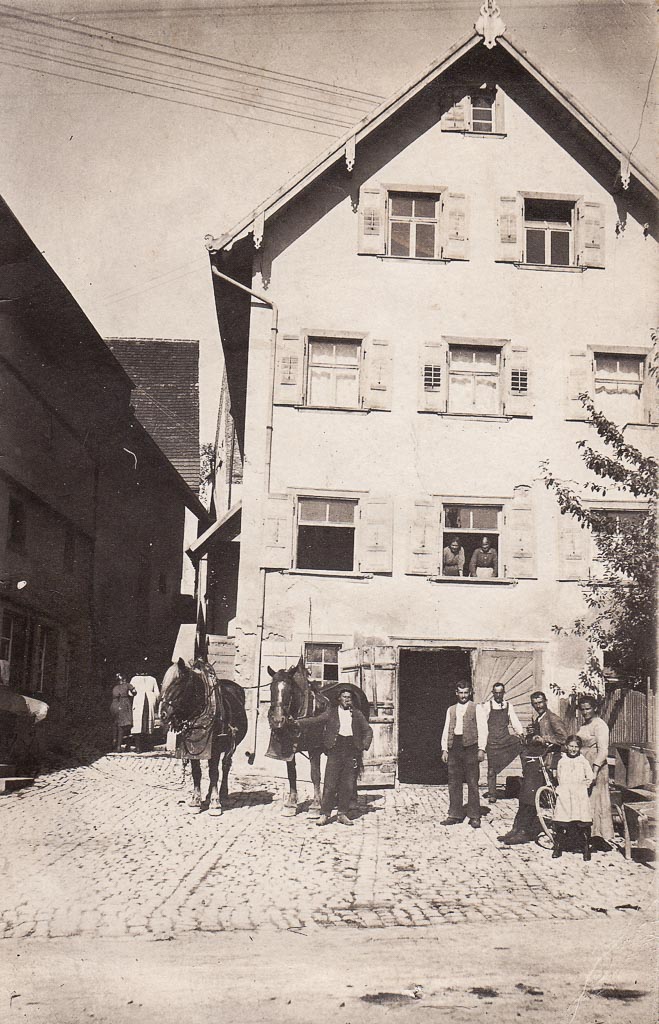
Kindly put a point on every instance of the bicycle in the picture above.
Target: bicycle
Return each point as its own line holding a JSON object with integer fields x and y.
{"x": 545, "y": 801}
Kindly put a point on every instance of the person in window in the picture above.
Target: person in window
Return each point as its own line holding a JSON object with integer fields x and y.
{"x": 483, "y": 563}
{"x": 453, "y": 560}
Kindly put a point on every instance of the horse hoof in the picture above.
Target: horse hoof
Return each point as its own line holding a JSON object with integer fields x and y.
{"x": 215, "y": 810}
{"x": 194, "y": 808}
{"x": 289, "y": 812}
{"x": 314, "y": 812}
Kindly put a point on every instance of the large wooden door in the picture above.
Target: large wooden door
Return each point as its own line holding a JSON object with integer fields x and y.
{"x": 374, "y": 670}
{"x": 519, "y": 671}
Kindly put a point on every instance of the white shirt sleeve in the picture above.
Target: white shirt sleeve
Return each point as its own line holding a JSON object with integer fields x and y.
{"x": 514, "y": 720}
{"x": 445, "y": 732}
{"x": 481, "y": 726}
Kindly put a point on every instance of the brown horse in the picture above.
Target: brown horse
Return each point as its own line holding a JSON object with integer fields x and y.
{"x": 208, "y": 715}
{"x": 293, "y": 696}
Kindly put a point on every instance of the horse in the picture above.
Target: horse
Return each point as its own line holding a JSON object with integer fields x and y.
{"x": 208, "y": 715}
{"x": 294, "y": 695}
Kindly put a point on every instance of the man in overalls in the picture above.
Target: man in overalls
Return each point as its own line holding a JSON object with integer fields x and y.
{"x": 503, "y": 745}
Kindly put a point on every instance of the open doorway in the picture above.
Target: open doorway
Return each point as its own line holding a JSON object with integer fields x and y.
{"x": 426, "y": 689}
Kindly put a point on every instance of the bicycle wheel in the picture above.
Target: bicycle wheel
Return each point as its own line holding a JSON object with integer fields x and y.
{"x": 545, "y": 805}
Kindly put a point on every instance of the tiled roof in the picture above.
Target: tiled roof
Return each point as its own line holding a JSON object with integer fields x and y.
{"x": 165, "y": 373}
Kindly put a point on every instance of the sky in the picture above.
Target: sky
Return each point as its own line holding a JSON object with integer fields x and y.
{"x": 118, "y": 188}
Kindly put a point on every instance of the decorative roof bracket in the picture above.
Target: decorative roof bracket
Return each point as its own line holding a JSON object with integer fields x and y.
{"x": 490, "y": 24}
{"x": 350, "y": 153}
{"x": 625, "y": 171}
{"x": 258, "y": 228}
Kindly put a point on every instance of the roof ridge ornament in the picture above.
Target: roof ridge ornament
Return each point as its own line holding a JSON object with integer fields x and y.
{"x": 490, "y": 25}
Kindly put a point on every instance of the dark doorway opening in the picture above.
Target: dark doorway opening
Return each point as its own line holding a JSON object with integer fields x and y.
{"x": 426, "y": 680}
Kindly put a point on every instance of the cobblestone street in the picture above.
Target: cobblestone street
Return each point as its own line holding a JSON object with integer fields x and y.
{"x": 109, "y": 848}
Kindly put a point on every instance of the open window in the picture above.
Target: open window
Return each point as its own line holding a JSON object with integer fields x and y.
{"x": 480, "y": 112}
{"x": 326, "y": 534}
{"x": 470, "y": 540}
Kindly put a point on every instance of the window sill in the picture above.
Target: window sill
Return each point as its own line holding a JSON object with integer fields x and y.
{"x": 549, "y": 267}
{"x": 471, "y": 581}
{"x": 479, "y": 135}
{"x": 480, "y": 417}
{"x": 332, "y": 408}
{"x": 412, "y": 259}
{"x": 337, "y": 573}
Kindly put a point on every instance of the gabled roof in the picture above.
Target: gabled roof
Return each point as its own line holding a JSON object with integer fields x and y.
{"x": 344, "y": 146}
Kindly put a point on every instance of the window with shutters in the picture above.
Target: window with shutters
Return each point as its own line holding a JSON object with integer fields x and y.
{"x": 471, "y": 540}
{"x": 619, "y": 380}
{"x": 549, "y": 232}
{"x": 618, "y": 523}
{"x": 479, "y": 113}
{"x": 474, "y": 380}
{"x": 322, "y": 662}
{"x": 326, "y": 534}
{"x": 414, "y": 225}
{"x": 333, "y": 373}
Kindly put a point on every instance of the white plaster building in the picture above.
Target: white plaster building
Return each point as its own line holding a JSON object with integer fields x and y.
{"x": 435, "y": 292}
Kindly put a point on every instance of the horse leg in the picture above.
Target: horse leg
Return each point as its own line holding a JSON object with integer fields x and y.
{"x": 214, "y": 805}
{"x": 314, "y": 761}
{"x": 195, "y": 798}
{"x": 290, "y": 805}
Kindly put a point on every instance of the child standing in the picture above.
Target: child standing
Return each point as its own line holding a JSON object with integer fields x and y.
{"x": 575, "y": 777}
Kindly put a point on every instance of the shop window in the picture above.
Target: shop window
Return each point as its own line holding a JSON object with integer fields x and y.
{"x": 326, "y": 534}
{"x": 474, "y": 379}
{"x": 548, "y": 231}
{"x": 322, "y": 662}
{"x": 470, "y": 541}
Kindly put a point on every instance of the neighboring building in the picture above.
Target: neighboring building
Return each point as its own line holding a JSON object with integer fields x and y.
{"x": 165, "y": 375}
{"x": 91, "y": 511}
{"x": 442, "y": 284}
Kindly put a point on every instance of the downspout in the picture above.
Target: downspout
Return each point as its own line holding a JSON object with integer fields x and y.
{"x": 266, "y": 480}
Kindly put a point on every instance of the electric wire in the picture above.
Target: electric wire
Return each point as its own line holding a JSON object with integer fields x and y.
{"x": 192, "y": 90}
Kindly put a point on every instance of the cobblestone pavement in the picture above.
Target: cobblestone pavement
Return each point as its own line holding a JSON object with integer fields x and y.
{"x": 109, "y": 848}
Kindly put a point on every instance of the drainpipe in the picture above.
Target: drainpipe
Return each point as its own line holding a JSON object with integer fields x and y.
{"x": 266, "y": 480}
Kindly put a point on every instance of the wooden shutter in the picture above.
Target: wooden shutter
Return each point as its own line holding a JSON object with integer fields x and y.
{"x": 510, "y": 224}
{"x": 517, "y": 382}
{"x": 372, "y": 220}
{"x": 499, "y": 113}
{"x": 579, "y": 380}
{"x": 277, "y": 532}
{"x": 458, "y": 117}
{"x": 289, "y": 370}
{"x": 433, "y": 377}
{"x": 376, "y": 389}
{"x": 590, "y": 234}
{"x": 423, "y": 555}
{"x": 520, "y": 535}
{"x": 520, "y": 673}
{"x": 573, "y": 549}
{"x": 374, "y": 669}
{"x": 455, "y": 226}
{"x": 375, "y": 540}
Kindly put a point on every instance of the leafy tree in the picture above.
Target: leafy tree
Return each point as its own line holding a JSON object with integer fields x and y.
{"x": 207, "y": 458}
{"x": 621, "y": 601}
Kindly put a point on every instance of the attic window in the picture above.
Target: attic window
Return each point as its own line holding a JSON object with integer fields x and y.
{"x": 479, "y": 113}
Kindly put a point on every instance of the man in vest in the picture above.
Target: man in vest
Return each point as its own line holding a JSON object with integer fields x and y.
{"x": 504, "y": 731}
{"x": 464, "y": 740}
{"x": 346, "y": 735}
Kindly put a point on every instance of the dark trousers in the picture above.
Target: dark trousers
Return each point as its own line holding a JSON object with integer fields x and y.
{"x": 526, "y": 821}
{"x": 491, "y": 780}
{"x": 340, "y": 776}
{"x": 463, "y": 768}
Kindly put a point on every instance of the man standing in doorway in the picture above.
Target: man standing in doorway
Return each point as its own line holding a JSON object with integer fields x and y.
{"x": 464, "y": 740}
{"x": 503, "y": 745}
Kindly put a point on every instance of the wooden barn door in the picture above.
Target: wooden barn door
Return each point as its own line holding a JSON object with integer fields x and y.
{"x": 519, "y": 671}
{"x": 374, "y": 669}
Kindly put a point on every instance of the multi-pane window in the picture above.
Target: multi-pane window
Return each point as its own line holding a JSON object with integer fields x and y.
{"x": 619, "y": 386}
{"x": 548, "y": 232}
{"x": 333, "y": 373}
{"x": 322, "y": 662}
{"x": 326, "y": 534}
{"x": 474, "y": 373}
{"x": 414, "y": 225}
{"x": 470, "y": 541}
{"x": 17, "y": 526}
{"x": 482, "y": 112}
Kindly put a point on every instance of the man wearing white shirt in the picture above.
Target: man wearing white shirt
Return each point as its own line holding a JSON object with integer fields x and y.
{"x": 504, "y": 732}
{"x": 464, "y": 740}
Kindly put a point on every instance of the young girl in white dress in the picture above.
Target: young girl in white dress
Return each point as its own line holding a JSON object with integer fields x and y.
{"x": 573, "y": 812}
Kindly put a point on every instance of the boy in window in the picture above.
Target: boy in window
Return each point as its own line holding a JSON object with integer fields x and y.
{"x": 483, "y": 563}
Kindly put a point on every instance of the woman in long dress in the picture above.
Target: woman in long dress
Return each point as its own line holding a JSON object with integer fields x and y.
{"x": 594, "y": 735}
{"x": 145, "y": 700}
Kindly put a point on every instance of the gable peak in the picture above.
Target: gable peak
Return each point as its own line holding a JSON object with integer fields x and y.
{"x": 490, "y": 24}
